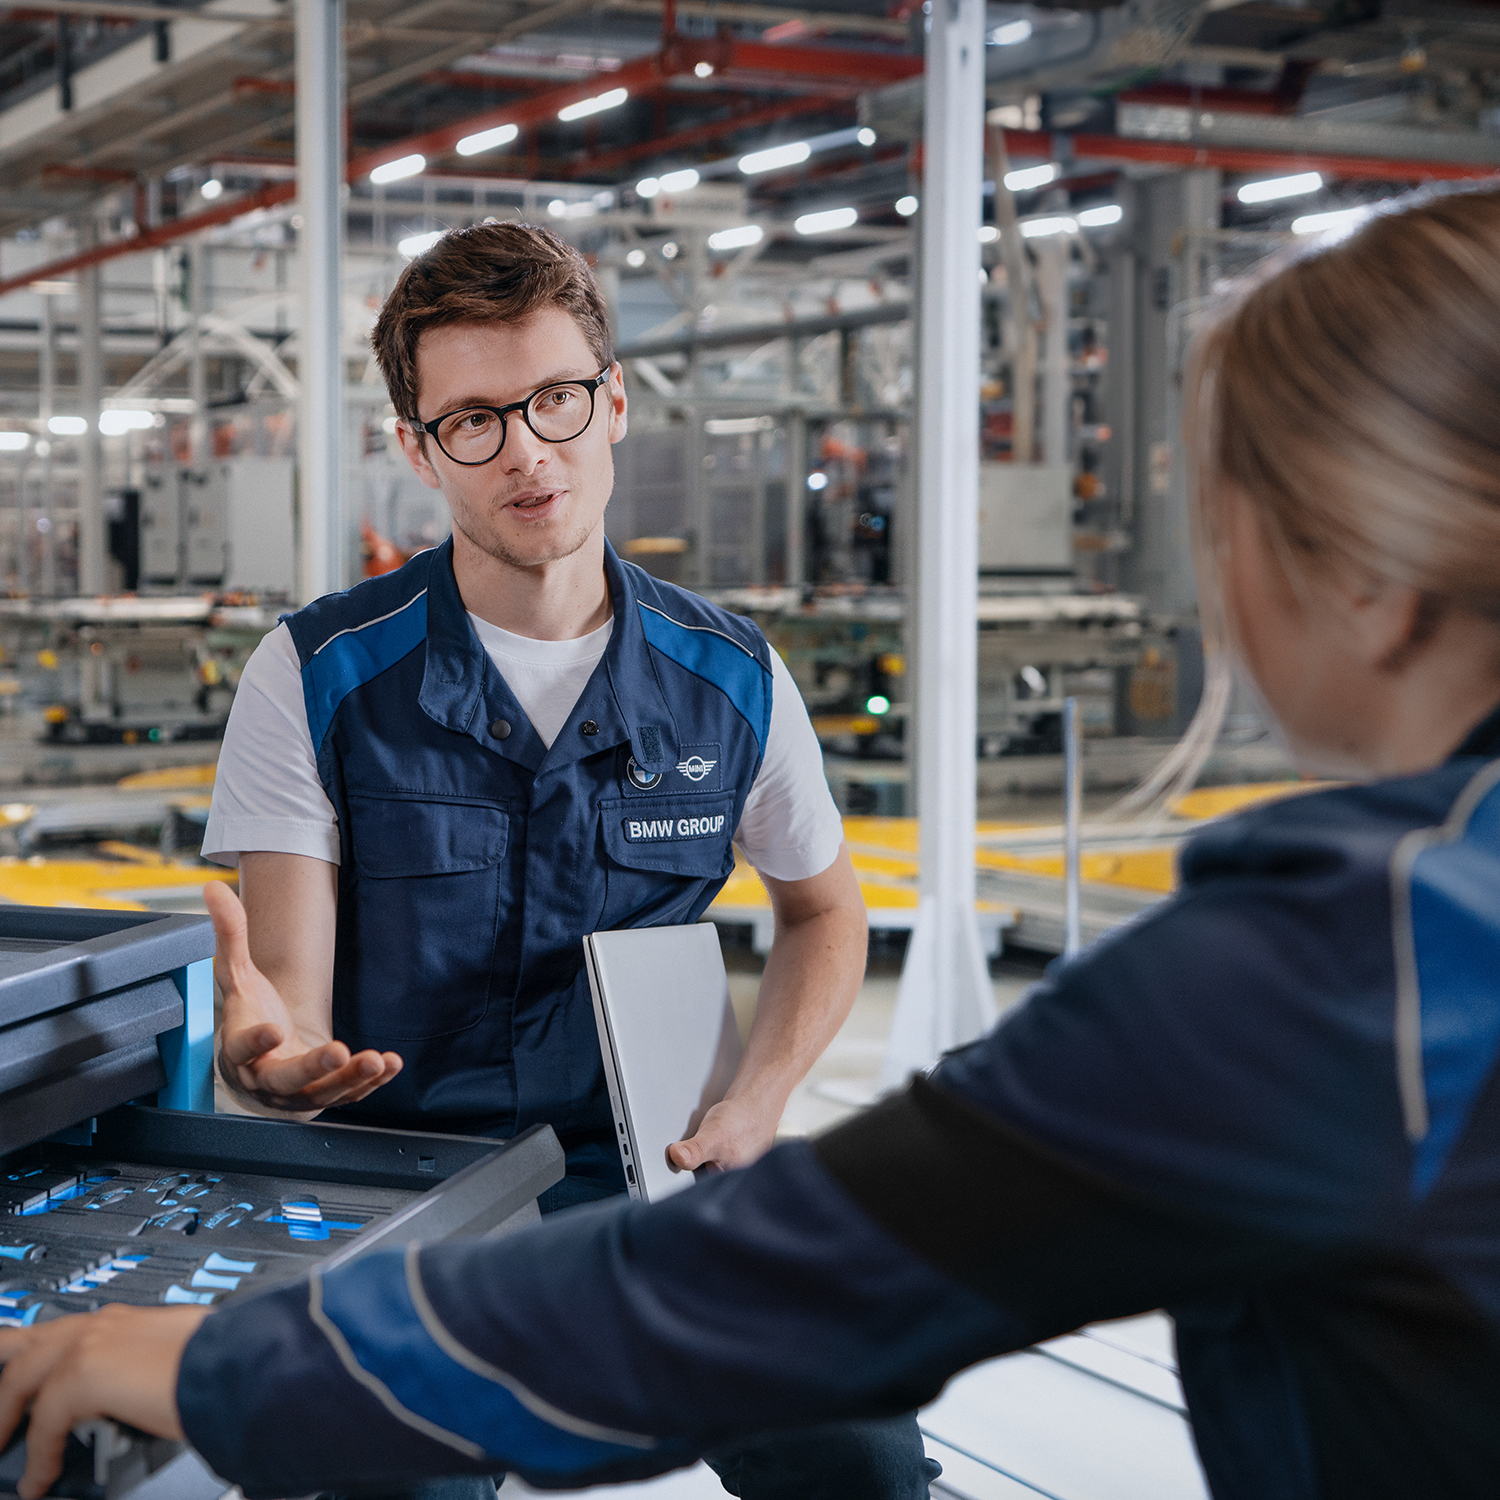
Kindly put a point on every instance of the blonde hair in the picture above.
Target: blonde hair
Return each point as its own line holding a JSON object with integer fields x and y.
{"x": 1353, "y": 392}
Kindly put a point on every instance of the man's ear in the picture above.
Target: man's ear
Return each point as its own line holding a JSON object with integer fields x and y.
{"x": 619, "y": 415}
{"x": 411, "y": 446}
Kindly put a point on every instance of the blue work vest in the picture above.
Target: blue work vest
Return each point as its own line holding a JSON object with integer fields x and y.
{"x": 475, "y": 859}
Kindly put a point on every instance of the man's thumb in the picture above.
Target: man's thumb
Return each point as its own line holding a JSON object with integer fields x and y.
{"x": 685, "y": 1155}
{"x": 230, "y": 927}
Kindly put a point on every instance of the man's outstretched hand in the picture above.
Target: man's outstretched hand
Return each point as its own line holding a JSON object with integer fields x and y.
{"x": 262, "y": 1057}
{"x": 120, "y": 1363}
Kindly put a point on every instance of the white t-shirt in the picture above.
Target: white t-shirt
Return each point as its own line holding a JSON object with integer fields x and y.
{"x": 268, "y": 796}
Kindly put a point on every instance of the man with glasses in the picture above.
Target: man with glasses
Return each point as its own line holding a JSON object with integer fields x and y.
{"x": 434, "y": 786}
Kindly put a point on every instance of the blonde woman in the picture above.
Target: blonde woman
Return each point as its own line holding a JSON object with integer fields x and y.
{"x": 1271, "y": 1106}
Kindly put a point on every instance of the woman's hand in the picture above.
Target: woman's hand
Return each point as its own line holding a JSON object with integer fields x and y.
{"x": 120, "y": 1363}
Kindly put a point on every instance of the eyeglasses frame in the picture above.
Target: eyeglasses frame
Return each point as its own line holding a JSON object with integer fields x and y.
{"x": 592, "y": 385}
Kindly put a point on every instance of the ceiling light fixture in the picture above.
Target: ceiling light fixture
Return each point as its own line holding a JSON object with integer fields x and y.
{"x": 826, "y": 221}
{"x": 635, "y": 259}
{"x": 597, "y": 105}
{"x": 415, "y": 244}
{"x": 403, "y": 166}
{"x": 1097, "y": 218}
{"x": 679, "y": 182}
{"x": 790, "y": 155}
{"x": 1025, "y": 179}
{"x": 67, "y": 426}
{"x": 13, "y": 442}
{"x": 907, "y": 206}
{"x": 1012, "y": 34}
{"x": 738, "y": 238}
{"x": 1272, "y": 188}
{"x": 212, "y": 189}
{"x": 122, "y": 419}
{"x": 1036, "y": 229}
{"x": 487, "y": 140}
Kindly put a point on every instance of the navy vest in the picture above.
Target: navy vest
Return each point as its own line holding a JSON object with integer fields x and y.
{"x": 475, "y": 859}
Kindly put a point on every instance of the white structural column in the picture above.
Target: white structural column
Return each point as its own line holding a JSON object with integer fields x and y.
{"x": 945, "y": 996}
{"x": 321, "y": 543}
{"x": 91, "y": 539}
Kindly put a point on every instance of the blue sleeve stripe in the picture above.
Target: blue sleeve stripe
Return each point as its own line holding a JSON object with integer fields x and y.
{"x": 354, "y": 657}
{"x": 1447, "y": 929}
{"x": 717, "y": 658}
{"x": 382, "y": 1325}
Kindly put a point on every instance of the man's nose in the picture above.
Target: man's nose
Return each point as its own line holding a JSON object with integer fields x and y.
{"x": 523, "y": 450}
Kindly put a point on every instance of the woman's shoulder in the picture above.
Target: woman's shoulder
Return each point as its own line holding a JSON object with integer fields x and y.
{"x": 1345, "y": 829}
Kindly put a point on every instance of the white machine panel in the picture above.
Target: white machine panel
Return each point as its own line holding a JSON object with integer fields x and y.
{"x": 260, "y": 540}
{"x": 203, "y": 501}
{"x": 1025, "y": 517}
{"x": 161, "y": 524}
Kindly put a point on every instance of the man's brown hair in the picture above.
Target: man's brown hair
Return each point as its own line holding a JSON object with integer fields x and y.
{"x": 488, "y": 273}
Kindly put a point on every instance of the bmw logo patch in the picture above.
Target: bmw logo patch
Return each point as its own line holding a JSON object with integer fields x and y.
{"x": 645, "y": 780}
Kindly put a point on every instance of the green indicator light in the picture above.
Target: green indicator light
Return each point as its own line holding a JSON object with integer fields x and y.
{"x": 879, "y": 704}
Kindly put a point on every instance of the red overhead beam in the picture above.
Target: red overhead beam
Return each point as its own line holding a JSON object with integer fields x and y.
{"x": 1255, "y": 159}
{"x": 162, "y": 234}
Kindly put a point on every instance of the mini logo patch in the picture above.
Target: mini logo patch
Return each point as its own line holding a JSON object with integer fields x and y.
{"x": 695, "y": 768}
{"x": 672, "y": 830}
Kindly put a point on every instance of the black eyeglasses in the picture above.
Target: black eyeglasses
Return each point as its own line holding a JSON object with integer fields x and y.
{"x": 474, "y": 435}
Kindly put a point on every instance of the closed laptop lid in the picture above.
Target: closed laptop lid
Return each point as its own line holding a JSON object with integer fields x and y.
{"x": 669, "y": 1039}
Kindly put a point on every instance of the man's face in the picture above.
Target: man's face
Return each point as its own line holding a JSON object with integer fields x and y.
{"x": 535, "y": 502}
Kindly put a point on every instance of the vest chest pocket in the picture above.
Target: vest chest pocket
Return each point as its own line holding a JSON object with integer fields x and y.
{"x": 660, "y": 853}
{"x": 427, "y": 891}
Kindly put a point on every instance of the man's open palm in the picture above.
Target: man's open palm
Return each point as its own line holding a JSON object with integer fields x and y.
{"x": 262, "y": 1056}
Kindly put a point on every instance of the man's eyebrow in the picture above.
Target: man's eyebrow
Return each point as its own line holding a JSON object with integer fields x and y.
{"x": 554, "y": 379}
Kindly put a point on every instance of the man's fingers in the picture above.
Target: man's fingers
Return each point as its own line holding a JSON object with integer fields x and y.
{"x": 301, "y": 1072}
{"x": 242, "y": 1046}
{"x": 292, "y": 1084}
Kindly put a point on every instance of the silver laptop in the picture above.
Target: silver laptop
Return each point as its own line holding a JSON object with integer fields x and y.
{"x": 669, "y": 1040}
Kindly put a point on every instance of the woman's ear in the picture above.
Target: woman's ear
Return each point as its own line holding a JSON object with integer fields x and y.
{"x": 1389, "y": 622}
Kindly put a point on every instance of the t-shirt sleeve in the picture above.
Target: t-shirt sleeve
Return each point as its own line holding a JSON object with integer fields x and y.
{"x": 790, "y": 829}
{"x": 267, "y": 793}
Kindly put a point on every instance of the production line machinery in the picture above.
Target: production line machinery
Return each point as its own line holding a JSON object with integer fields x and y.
{"x": 119, "y": 1184}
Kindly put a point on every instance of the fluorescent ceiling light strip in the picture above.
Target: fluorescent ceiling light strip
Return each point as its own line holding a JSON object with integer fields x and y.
{"x": 826, "y": 221}
{"x": 403, "y": 166}
{"x": 1035, "y": 229}
{"x": 487, "y": 140}
{"x": 415, "y": 244}
{"x": 1023, "y": 179}
{"x": 790, "y": 155}
{"x": 1273, "y": 188}
{"x": 1097, "y": 218}
{"x": 1012, "y": 34}
{"x": 738, "y": 238}
{"x": 594, "y": 106}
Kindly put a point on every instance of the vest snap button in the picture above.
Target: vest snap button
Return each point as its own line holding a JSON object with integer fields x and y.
{"x": 500, "y": 729}
{"x": 588, "y": 727}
